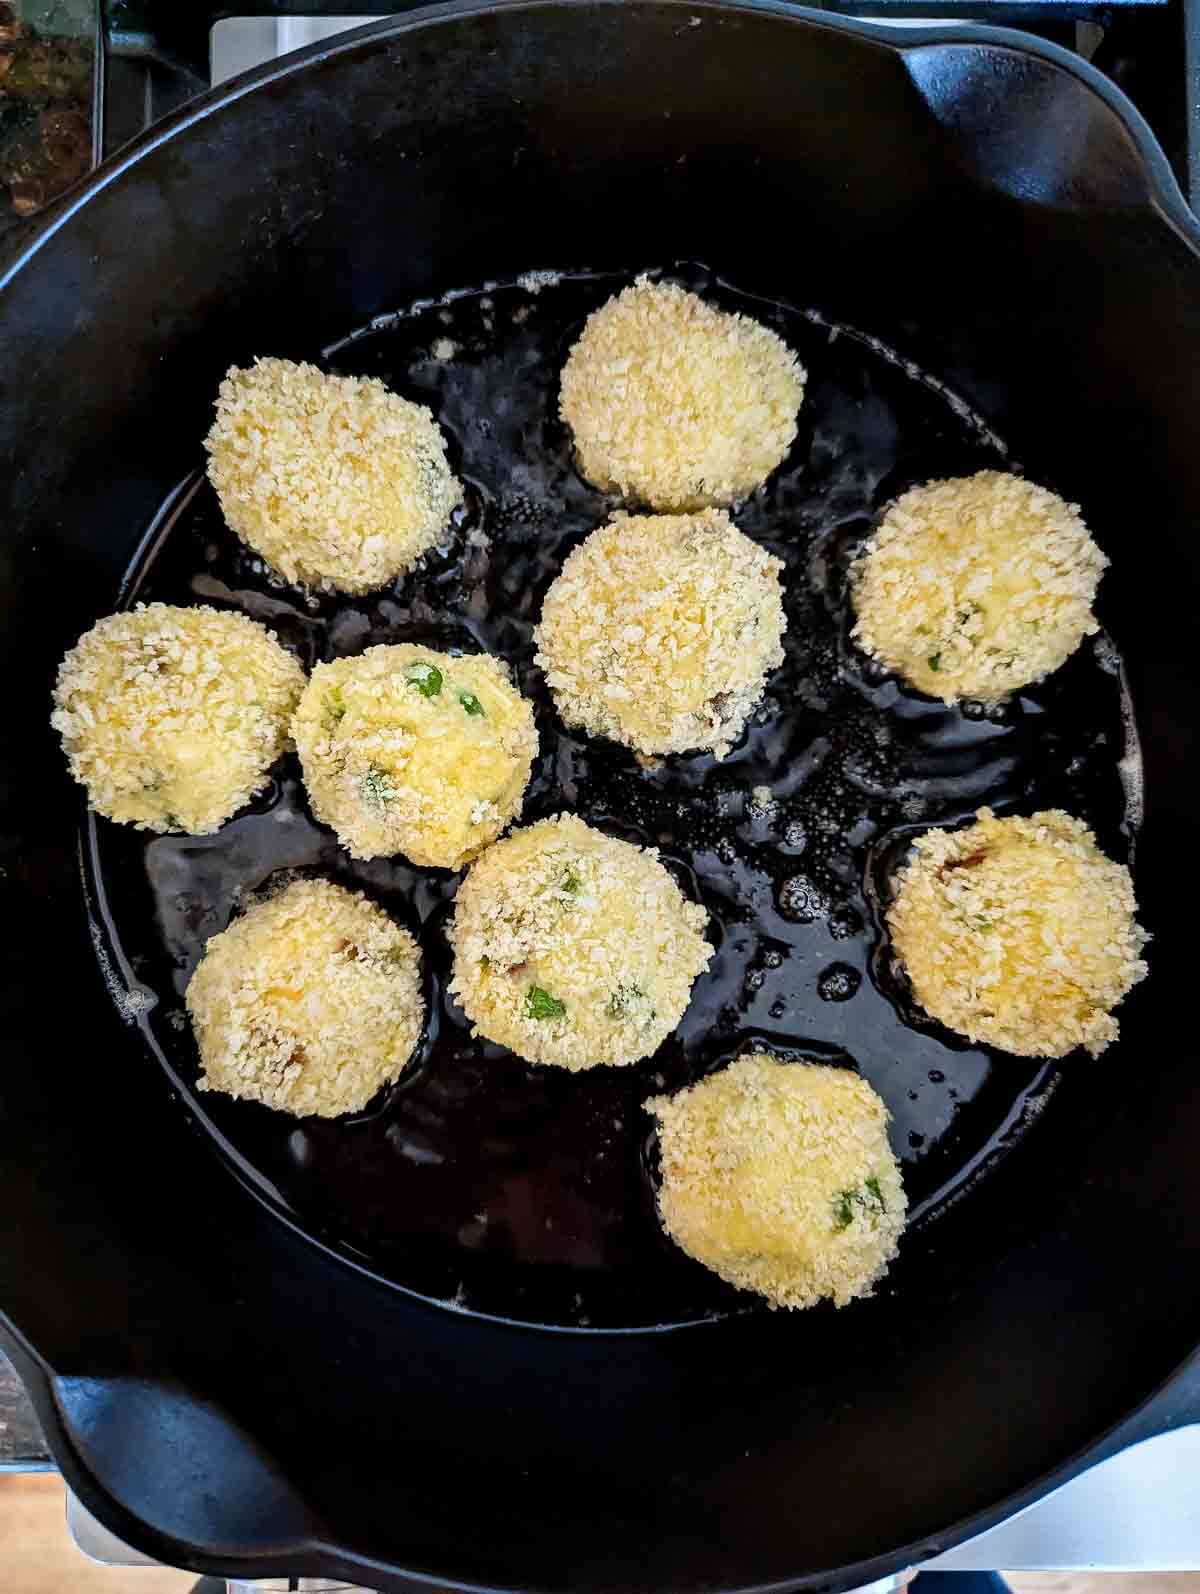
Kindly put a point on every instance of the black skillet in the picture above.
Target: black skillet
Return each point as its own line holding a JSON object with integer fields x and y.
{"x": 982, "y": 258}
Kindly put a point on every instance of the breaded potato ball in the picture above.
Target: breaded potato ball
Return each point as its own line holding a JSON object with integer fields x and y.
{"x": 675, "y": 404}
{"x": 779, "y": 1177}
{"x": 659, "y": 632}
{"x": 573, "y": 948}
{"x": 310, "y": 1002}
{"x": 408, "y": 750}
{"x": 1019, "y": 933}
{"x": 336, "y": 481}
{"x": 976, "y": 586}
{"x": 172, "y": 717}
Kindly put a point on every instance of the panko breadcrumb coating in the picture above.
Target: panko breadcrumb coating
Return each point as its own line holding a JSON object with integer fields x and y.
{"x": 172, "y": 717}
{"x": 659, "y": 631}
{"x": 976, "y": 586}
{"x": 408, "y": 750}
{"x": 779, "y": 1177}
{"x": 573, "y": 948}
{"x": 310, "y": 1002}
{"x": 675, "y": 404}
{"x": 1019, "y": 932}
{"x": 334, "y": 480}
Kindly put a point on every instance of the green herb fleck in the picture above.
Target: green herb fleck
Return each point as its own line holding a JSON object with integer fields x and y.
{"x": 427, "y": 678}
{"x": 868, "y": 1196}
{"x": 540, "y": 1004}
{"x": 571, "y": 880}
{"x": 376, "y": 786}
{"x": 335, "y": 708}
{"x": 935, "y": 661}
{"x": 468, "y": 700}
{"x": 629, "y": 1001}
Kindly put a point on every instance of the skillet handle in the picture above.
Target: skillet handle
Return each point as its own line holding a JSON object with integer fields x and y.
{"x": 1176, "y": 1405}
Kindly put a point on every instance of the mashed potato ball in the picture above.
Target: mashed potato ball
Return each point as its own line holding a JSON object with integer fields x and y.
{"x": 408, "y": 750}
{"x": 659, "y": 631}
{"x": 573, "y": 948}
{"x": 976, "y": 586}
{"x": 779, "y": 1177}
{"x": 171, "y": 718}
{"x": 334, "y": 480}
{"x": 309, "y": 1002}
{"x": 1019, "y": 932}
{"x": 675, "y": 404}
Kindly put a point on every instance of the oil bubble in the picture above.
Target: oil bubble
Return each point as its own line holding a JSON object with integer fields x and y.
{"x": 800, "y": 900}
{"x": 838, "y": 983}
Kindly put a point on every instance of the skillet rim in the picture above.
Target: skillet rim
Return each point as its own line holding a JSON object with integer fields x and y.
{"x": 1165, "y": 197}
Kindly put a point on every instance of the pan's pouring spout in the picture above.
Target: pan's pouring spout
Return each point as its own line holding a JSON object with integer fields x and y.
{"x": 1032, "y": 128}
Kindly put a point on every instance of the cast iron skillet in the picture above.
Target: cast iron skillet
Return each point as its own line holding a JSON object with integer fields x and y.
{"x": 229, "y": 1396}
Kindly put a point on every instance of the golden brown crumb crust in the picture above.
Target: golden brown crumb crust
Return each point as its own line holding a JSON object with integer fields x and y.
{"x": 334, "y": 480}
{"x": 574, "y": 948}
{"x": 779, "y": 1177}
{"x": 678, "y": 405}
{"x": 310, "y": 1001}
{"x": 409, "y": 750}
{"x": 975, "y": 586}
{"x": 660, "y": 630}
{"x": 172, "y": 717}
{"x": 1019, "y": 933}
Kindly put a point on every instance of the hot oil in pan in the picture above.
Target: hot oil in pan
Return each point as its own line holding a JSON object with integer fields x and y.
{"x": 528, "y": 1193}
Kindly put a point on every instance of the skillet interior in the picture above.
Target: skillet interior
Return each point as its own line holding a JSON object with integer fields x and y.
{"x": 524, "y": 1192}
{"x": 804, "y": 162}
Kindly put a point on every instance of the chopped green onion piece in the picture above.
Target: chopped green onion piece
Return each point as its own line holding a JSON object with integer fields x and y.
{"x": 468, "y": 700}
{"x": 427, "y": 678}
{"x": 628, "y": 1001}
{"x": 540, "y": 1004}
{"x": 935, "y": 661}
{"x": 869, "y": 1196}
